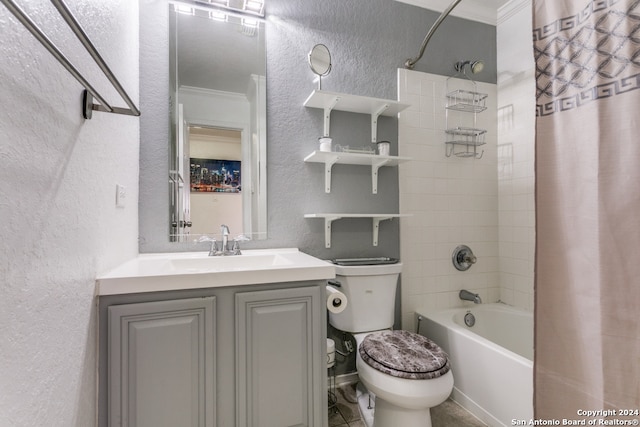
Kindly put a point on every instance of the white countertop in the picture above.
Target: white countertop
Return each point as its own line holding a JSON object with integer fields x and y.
{"x": 193, "y": 270}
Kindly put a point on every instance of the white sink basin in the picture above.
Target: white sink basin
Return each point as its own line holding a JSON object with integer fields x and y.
{"x": 190, "y": 270}
{"x": 248, "y": 261}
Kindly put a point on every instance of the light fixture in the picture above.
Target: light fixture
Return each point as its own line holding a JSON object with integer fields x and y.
{"x": 250, "y": 22}
{"x": 250, "y": 26}
{"x": 218, "y": 15}
{"x": 254, "y": 6}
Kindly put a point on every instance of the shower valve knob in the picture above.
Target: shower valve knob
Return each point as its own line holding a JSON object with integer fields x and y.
{"x": 463, "y": 258}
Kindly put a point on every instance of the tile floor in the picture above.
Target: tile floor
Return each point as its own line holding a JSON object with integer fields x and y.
{"x": 346, "y": 413}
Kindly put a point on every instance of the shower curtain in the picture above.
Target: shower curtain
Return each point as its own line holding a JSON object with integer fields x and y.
{"x": 587, "y": 273}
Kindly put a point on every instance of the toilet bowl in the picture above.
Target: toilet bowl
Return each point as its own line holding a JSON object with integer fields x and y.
{"x": 407, "y": 373}
{"x": 404, "y": 401}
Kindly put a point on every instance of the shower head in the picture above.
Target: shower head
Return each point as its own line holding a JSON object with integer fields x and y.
{"x": 475, "y": 66}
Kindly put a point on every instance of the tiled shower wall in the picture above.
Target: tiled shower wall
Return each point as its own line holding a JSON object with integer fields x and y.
{"x": 452, "y": 200}
{"x": 516, "y": 133}
{"x": 487, "y": 203}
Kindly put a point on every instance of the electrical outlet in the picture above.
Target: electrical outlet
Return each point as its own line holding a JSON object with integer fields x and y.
{"x": 121, "y": 195}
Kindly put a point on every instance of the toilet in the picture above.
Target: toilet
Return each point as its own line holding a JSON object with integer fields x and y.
{"x": 404, "y": 373}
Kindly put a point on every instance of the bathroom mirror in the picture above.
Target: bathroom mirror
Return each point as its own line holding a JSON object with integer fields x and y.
{"x": 217, "y": 94}
{"x": 320, "y": 62}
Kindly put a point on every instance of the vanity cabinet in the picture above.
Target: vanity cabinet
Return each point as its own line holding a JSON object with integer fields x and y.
{"x": 238, "y": 356}
{"x": 162, "y": 363}
{"x": 280, "y": 359}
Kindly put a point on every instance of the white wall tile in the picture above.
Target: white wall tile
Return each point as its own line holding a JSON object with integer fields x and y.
{"x": 457, "y": 203}
{"x": 487, "y": 204}
{"x": 516, "y": 98}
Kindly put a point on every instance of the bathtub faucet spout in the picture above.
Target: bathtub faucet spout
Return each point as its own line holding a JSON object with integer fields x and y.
{"x": 470, "y": 296}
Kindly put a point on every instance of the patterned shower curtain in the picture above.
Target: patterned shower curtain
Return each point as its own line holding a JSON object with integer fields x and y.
{"x": 587, "y": 274}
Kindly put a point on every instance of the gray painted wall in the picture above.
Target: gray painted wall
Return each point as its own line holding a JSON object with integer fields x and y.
{"x": 369, "y": 40}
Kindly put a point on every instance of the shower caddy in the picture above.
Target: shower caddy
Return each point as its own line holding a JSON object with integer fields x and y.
{"x": 463, "y": 137}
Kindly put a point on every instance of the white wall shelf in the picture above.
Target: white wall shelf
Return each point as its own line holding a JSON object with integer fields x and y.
{"x": 330, "y": 217}
{"x": 328, "y": 101}
{"x": 330, "y": 158}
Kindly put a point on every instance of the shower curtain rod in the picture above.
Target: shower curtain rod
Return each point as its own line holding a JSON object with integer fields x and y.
{"x": 89, "y": 92}
{"x": 411, "y": 62}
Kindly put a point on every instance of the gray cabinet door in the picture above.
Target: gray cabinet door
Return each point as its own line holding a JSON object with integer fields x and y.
{"x": 162, "y": 364}
{"x": 280, "y": 358}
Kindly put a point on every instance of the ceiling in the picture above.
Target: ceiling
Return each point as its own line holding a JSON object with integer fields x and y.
{"x": 485, "y": 11}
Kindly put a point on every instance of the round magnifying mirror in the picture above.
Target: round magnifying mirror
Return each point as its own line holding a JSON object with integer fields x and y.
{"x": 320, "y": 60}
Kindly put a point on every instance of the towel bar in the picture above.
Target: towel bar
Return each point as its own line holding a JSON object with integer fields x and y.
{"x": 89, "y": 92}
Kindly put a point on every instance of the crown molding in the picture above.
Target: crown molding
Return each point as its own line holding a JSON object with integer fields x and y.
{"x": 212, "y": 92}
{"x": 511, "y": 8}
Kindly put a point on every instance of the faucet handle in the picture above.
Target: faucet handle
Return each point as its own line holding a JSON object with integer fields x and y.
{"x": 236, "y": 244}
{"x": 213, "y": 250}
{"x": 470, "y": 258}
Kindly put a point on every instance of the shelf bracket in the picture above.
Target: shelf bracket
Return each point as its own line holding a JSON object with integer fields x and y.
{"x": 327, "y": 115}
{"x": 374, "y": 174}
{"x": 374, "y": 122}
{"x": 328, "y": 166}
{"x": 327, "y": 229}
{"x": 376, "y": 227}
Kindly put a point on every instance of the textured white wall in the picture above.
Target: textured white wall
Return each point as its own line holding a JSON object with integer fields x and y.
{"x": 60, "y": 226}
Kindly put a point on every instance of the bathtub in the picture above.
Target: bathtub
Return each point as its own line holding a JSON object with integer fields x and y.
{"x": 492, "y": 361}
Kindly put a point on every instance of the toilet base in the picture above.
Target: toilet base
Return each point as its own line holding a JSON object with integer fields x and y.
{"x": 389, "y": 415}
{"x": 376, "y": 412}
{"x": 366, "y": 404}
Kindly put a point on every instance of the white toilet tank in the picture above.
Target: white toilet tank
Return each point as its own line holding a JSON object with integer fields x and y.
{"x": 371, "y": 293}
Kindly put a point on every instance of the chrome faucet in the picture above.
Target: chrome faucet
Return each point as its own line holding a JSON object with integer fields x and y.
{"x": 470, "y": 296}
{"x": 224, "y": 230}
{"x": 224, "y": 250}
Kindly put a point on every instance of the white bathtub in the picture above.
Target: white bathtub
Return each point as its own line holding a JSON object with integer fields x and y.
{"x": 492, "y": 362}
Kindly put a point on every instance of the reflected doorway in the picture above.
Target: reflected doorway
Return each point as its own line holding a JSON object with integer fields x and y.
{"x": 215, "y": 159}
